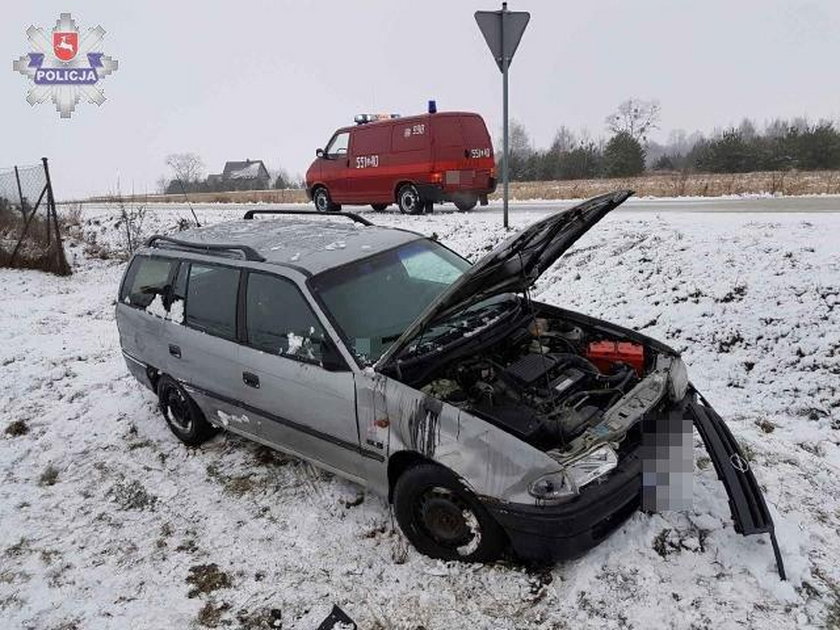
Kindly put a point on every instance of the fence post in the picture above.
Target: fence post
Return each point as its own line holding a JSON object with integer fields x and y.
{"x": 20, "y": 193}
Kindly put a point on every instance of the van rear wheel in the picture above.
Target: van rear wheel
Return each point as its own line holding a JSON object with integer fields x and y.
{"x": 466, "y": 204}
{"x": 408, "y": 199}
{"x": 323, "y": 202}
{"x": 182, "y": 414}
{"x": 379, "y": 207}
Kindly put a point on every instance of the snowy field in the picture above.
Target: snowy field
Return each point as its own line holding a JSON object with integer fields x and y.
{"x": 107, "y": 521}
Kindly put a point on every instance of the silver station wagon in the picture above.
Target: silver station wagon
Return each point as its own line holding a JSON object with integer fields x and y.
{"x": 493, "y": 423}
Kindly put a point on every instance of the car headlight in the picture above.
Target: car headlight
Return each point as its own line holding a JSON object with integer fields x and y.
{"x": 677, "y": 380}
{"x": 563, "y": 484}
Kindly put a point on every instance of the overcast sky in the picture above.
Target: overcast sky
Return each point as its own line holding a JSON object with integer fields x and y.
{"x": 272, "y": 80}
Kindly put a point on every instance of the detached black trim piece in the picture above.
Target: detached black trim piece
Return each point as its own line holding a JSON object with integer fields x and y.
{"x": 289, "y": 423}
{"x": 349, "y": 215}
{"x": 746, "y": 501}
{"x": 248, "y": 252}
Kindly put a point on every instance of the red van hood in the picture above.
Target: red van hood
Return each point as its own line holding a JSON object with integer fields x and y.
{"x": 512, "y": 266}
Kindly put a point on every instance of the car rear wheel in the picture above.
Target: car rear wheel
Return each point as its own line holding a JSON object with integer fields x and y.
{"x": 408, "y": 199}
{"x": 182, "y": 413}
{"x": 323, "y": 202}
{"x": 466, "y": 204}
{"x": 443, "y": 519}
{"x": 379, "y": 207}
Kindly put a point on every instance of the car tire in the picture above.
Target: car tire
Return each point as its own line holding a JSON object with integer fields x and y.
{"x": 182, "y": 414}
{"x": 408, "y": 199}
{"x": 379, "y": 207}
{"x": 323, "y": 202}
{"x": 466, "y": 204}
{"x": 443, "y": 519}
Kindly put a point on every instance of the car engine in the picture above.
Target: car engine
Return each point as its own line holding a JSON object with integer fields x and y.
{"x": 545, "y": 383}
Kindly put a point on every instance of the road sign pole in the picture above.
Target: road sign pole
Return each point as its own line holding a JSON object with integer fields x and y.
{"x": 505, "y": 147}
{"x": 502, "y": 31}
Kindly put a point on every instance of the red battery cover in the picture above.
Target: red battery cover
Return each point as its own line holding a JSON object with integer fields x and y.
{"x": 604, "y": 354}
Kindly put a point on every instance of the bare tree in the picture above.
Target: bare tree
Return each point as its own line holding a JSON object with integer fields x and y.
{"x": 635, "y": 117}
{"x": 187, "y": 167}
{"x": 564, "y": 140}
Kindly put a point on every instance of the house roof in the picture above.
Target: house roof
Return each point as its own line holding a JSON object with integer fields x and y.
{"x": 249, "y": 169}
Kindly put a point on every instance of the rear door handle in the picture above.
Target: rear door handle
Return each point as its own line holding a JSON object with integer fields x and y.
{"x": 251, "y": 380}
{"x": 174, "y": 350}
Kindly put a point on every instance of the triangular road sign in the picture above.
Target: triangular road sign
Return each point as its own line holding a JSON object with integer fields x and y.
{"x": 502, "y": 45}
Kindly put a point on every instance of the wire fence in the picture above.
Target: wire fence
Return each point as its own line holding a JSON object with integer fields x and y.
{"x": 30, "y": 235}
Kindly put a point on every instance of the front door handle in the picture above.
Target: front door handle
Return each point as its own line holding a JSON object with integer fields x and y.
{"x": 175, "y": 351}
{"x": 251, "y": 380}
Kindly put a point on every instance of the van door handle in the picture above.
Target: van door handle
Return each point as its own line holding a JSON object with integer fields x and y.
{"x": 251, "y": 380}
{"x": 175, "y": 351}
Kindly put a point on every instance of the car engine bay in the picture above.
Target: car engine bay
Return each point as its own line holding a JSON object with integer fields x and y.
{"x": 546, "y": 382}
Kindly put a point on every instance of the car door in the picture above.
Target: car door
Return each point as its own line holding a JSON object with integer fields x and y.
{"x": 335, "y": 166}
{"x": 201, "y": 339}
{"x": 305, "y": 408}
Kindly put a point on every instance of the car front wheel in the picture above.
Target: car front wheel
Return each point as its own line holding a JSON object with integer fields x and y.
{"x": 443, "y": 519}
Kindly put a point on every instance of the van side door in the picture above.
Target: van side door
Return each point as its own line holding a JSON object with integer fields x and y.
{"x": 335, "y": 165}
{"x": 371, "y": 179}
{"x": 303, "y": 391}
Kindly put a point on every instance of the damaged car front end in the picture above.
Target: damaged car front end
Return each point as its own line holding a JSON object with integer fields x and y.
{"x": 559, "y": 425}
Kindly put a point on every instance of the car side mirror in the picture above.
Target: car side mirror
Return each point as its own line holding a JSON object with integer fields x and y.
{"x": 331, "y": 359}
{"x": 319, "y": 153}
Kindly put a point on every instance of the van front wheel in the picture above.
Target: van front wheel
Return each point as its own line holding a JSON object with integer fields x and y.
{"x": 408, "y": 199}
{"x": 323, "y": 203}
{"x": 379, "y": 207}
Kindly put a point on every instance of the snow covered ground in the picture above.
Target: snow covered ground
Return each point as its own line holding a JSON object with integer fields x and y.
{"x": 106, "y": 521}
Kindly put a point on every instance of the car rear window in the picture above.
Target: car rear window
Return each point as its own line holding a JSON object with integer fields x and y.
{"x": 278, "y": 319}
{"x": 146, "y": 278}
{"x": 211, "y": 299}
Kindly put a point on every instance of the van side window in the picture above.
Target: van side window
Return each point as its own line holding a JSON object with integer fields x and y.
{"x": 146, "y": 279}
{"x": 211, "y": 299}
{"x": 448, "y": 131}
{"x": 279, "y": 320}
{"x": 372, "y": 140}
{"x": 338, "y": 145}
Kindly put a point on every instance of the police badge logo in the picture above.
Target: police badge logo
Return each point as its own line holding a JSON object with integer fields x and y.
{"x": 66, "y": 69}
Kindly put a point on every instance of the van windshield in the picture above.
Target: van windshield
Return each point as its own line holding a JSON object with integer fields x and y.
{"x": 372, "y": 301}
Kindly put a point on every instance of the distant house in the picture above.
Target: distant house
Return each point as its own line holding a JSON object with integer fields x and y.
{"x": 250, "y": 175}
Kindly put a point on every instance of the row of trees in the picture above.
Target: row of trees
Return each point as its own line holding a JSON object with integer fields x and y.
{"x": 781, "y": 145}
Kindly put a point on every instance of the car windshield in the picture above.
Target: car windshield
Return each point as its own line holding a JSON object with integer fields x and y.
{"x": 374, "y": 300}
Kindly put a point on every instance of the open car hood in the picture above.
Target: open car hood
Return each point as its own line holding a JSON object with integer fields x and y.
{"x": 512, "y": 266}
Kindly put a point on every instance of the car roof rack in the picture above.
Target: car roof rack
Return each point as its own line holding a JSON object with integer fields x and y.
{"x": 349, "y": 215}
{"x": 248, "y": 252}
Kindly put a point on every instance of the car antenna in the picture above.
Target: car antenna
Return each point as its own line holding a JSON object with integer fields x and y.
{"x": 184, "y": 191}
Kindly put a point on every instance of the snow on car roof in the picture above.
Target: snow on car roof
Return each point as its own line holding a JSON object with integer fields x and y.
{"x": 312, "y": 244}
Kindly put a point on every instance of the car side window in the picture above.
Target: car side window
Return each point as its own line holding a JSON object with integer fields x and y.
{"x": 338, "y": 145}
{"x": 146, "y": 281}
{"x": 211, "y": 299}
{"x": 279, "y": 321}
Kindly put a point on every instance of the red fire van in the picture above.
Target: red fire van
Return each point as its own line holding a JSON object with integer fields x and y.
{"x": 414, "y": 161}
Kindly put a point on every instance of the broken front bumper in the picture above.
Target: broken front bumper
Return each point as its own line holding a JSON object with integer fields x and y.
{"x": 557, "y": 532}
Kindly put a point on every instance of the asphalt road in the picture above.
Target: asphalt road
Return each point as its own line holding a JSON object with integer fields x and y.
{"x": 827, "y": 203}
